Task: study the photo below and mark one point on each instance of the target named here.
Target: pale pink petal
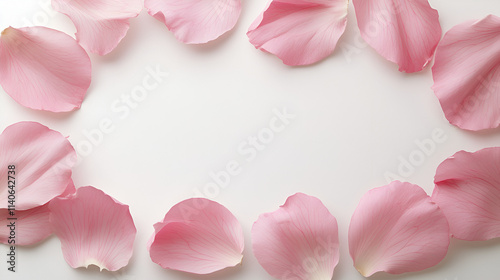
(467, 74)
(43, 68)
(468, 191)
(300, 32)
(94, 229)
(397, 229)
(298, 241)
(43, 159)
(100, 24)
(405, 32)
(30, 226)
(197, 236)
(196, 21)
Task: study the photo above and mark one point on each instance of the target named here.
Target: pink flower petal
(467, 74)
(43, 69)
(405, 32)
(69, 191)
(31, 226)
(298, 241)
(197, 236)
(43, 159)
(300, 32)
(100, 24)
(196, 21)
(94, 229)
(397, 229)
(468, 191)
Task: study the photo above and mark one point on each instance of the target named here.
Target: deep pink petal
(196, 21)
(467, 74)
(31, 226)
(43, 69)
(397, 229)
(43, 159)
(300, 32)
(100, 24)
(197, 236)
(405, 32)
(298, 241)
(94, 229)
(468, 191)
(69, 191)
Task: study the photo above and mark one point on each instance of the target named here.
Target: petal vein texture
(405, 32)
(298, 241)
(43, 159)
(196, 21)
(467, 74)
(100, 24)
(94, 229)
(197, 236)
(300, 32)
(468, 191)
(43, 69)
(397, 229)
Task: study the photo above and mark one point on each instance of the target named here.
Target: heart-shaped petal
(298, 241)
(397, 229)
(94, 229)
(468, 191)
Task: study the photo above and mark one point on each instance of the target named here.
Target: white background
(355, 117)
